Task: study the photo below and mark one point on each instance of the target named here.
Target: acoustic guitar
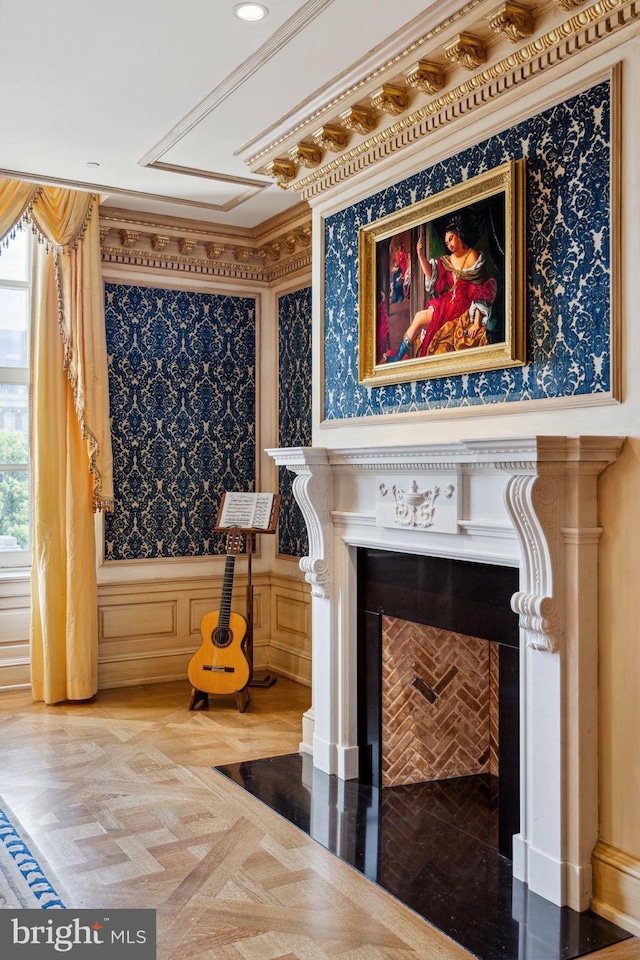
(220, 664)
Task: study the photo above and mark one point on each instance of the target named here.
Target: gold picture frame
(469, 314)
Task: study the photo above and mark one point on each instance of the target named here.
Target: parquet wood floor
(120, 796)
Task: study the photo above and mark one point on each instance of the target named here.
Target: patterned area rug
(25, 882)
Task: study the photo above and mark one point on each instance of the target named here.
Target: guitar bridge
(219, 669)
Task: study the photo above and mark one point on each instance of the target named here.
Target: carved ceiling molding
(390, 99)
(427, 77)
(307, 155)
(582, 30)
(513, 21)
(361, 120)
(469, 51)
(265, 256)
(354, 84)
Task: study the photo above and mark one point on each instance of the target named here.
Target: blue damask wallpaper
(183, 406)
(294, 409)
(568, 268)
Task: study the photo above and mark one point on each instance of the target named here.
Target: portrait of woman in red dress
(461, 290)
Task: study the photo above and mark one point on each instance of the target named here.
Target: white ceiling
(182, 83)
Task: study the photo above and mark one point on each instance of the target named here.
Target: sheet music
(247, 510)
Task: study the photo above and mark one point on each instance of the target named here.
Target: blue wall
(568, 268)
(294, 409)
(183, 407)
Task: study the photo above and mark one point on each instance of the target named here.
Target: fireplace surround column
(526, 502)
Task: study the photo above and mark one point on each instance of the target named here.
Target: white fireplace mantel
(528, 502)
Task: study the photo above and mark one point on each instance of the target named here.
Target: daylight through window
(15, 314)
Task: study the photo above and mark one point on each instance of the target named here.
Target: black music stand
(236, 509)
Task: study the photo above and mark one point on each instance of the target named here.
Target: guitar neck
(227, 588)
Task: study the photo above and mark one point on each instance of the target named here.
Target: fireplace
(526, 505)
(438, 680)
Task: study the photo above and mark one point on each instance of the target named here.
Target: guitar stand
(202, 697)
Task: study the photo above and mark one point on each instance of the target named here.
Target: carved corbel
(390, 99)
(288, 242)
(470, 52)
(303, 236)
(159, 243)
(282, 171)
(103, 234)
(242, 254)
(426, 76)
(186, 246)
(313, 490)
(306, 154)
(531, 502)
(568, 4)
(512, 21)
(214, 250)
(331, 138)
(359, 119)
(128, 238)
(270, 251)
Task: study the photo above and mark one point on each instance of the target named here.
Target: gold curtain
(71, 444)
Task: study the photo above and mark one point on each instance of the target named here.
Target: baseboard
(616, 886)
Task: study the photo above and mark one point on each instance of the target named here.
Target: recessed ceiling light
(250, 11)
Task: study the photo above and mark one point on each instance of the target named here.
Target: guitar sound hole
(223, 637)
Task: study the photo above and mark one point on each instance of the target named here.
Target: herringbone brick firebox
(440, 703)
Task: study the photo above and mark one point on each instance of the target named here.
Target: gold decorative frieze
(390, 99)
(303, 235)
(426, 76)
(276, 249)
(359, 119)
(331, 138)
(270, 251)
(539, 55)
(470, 52)
(513, 21)
(282, 171)
(159, 242)
(306, 154)
(186, 246)
(128, 238)
(288, 242)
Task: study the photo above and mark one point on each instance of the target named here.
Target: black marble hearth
(434, 847)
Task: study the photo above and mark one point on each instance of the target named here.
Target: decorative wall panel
(294, 409)
(568, 295)
(183, 407)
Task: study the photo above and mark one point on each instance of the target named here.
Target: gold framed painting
(442, 282)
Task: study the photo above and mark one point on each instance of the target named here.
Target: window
(15, 316)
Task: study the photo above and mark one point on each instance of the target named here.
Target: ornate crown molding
(274, 250)
(513, 21)
(427, 77)
(469, 51)
(306, 154)
(359, 119)
(282, 171)
(129, 238)
(332, 138)
(390, 99)
(540, 54)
